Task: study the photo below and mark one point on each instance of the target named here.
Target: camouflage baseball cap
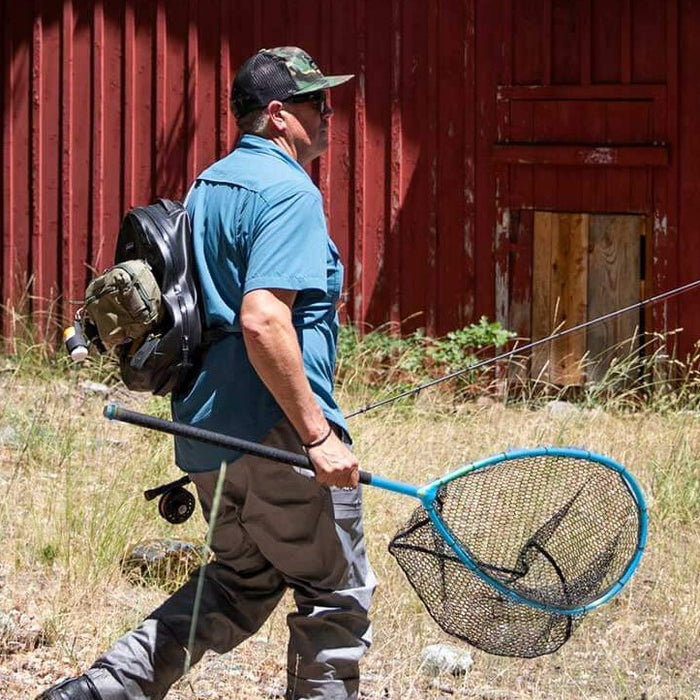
(277, 74)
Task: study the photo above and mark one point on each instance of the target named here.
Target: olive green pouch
(124, 303)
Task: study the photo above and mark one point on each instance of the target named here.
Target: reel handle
(150, 494)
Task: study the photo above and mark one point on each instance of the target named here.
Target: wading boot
(80, 688)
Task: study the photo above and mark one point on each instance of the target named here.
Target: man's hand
(334, 463)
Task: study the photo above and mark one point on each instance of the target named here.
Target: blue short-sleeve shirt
(257, 223)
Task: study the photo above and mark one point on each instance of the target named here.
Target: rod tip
(110, 411)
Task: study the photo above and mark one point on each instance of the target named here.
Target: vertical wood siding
(465, 117)
(108, 105)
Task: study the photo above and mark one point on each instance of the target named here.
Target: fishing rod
(176, 504)
(554, 336)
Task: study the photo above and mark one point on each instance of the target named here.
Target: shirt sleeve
(288, 249)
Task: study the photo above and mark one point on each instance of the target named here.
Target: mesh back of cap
(260, 80)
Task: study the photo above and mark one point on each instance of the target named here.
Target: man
(269, 274)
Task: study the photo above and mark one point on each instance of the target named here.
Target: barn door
(584, 266)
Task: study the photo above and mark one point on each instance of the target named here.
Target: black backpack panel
(160, 234)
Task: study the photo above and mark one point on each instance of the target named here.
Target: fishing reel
(176, 503)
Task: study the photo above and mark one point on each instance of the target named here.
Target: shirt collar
(250, 142)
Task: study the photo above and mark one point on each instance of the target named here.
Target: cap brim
(328, 81)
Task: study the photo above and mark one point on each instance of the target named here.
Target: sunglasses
(318, 98)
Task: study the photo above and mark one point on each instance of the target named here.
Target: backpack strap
(189, 192)
(217, 333)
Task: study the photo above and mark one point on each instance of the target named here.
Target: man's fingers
(335, 465)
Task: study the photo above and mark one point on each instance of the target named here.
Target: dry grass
(71, 504)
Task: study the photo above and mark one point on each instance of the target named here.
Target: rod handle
(114, 411)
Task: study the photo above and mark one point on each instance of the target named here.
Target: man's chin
(321, 147)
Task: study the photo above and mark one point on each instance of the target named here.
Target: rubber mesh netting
(558, 531)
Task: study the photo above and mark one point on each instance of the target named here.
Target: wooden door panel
(613, 283)
(560, 270)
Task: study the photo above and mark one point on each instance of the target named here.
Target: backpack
(146, 307)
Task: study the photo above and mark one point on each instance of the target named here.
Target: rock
(166, 562)
(9, 436)
(561, 409)
(446, 658)
(95, 388)
(19, 632)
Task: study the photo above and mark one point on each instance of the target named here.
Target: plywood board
(560, 299)
(613, 283)
(570, 265)
(541, 289)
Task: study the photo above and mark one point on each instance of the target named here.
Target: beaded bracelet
(320, 441)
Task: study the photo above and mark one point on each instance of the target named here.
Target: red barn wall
(465, 116)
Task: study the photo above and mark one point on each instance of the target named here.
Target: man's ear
(275, 111)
